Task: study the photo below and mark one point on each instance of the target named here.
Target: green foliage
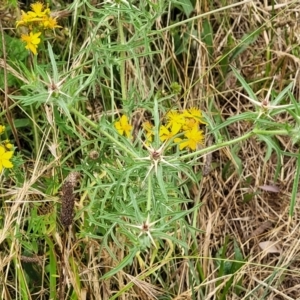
(185, 5)
(230, 267)
(14, 50)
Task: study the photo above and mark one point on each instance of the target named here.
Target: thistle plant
(139, 216)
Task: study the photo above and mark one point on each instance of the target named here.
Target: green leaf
(295, 188)
(207, 36)
(185, 5)
(125, 262)
(244, 84)
(247, 40)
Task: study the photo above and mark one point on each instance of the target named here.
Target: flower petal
(8, 155)
(7, 164)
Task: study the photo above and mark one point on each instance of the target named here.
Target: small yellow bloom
(50, 23)
(37, 10)
(166, 134)
(175, 121)
(5, 157)
(2, 128)
(32, 40)
(190, 124)
(123, 126)
(194, 113)
(25, 18)
(194, 137)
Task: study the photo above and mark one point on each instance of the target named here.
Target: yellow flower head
(5, 157)
(37, 15)
(175, 120)
(194, 113)
(25, 18)
(37, 10)
(190, 124)
(51, 23)
(194, 137)
(32, 41)
(165, 133)
(123, 126)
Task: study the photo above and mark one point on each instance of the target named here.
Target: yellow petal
(7, 164)
(2, 150)
(8, 155)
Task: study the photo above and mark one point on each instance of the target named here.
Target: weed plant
(150, 150)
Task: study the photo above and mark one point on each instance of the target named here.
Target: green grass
(151, 220)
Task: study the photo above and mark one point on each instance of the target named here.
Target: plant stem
(213, 147)
(122, 62)
(36, 138)
(271, 132)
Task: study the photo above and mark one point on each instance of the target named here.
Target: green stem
(295, 189)
(149, 196)
(36, 137)
(271, 132)
(213, 148)
(122, 61)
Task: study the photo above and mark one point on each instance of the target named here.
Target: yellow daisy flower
(123, 126)
(38, 10)
(32, 40)
(50, 23)
(25, 18)
(194, 113)
(166, 134)
(194, 137)
(175, 121)
(190, 124)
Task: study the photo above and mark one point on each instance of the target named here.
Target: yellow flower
(5, 156)
(194, 113)
(37, 10)
(32, 41)
(2, 128)
(123, 126)
(194, 137)
(175, 121)
(166, 134)
(36, 15)
(190, 124)
(25, 18)
(50, 23)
